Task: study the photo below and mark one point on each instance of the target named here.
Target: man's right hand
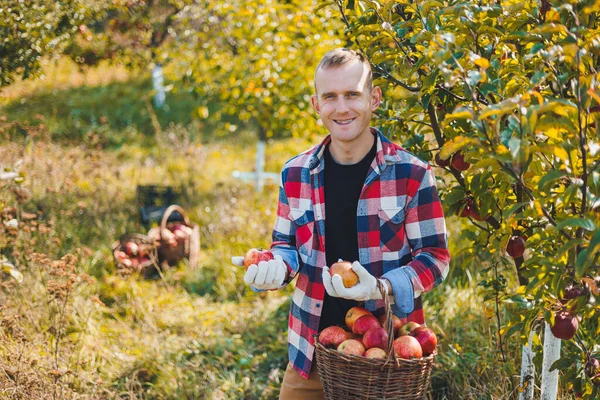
(267, 275)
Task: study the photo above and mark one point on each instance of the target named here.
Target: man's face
(344, 101)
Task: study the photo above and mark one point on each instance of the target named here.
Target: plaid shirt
(401, 237)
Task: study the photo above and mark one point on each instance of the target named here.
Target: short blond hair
(341, 56)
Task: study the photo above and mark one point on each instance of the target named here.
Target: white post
(260, 164)
(158, 86)
(527, 370)
(551, 354)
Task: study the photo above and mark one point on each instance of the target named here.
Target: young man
(357, 197)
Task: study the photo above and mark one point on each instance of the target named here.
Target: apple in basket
(407, 347)
(169, 237)
(352, 347)
(333, 336)
(407, 328)
(396, 323)
(364, 323)
(182, 232)
(375, 337)
(375, 352)
(426, 338)
(131, 248)
(355, 313)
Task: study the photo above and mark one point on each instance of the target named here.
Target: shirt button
(318, 305)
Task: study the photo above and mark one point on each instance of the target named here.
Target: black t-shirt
(343, 185)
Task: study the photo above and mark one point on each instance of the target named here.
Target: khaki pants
(294, 387)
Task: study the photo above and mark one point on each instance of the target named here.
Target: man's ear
(375, 97)
(315, 103)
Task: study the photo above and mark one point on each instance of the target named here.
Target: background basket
(145, 268)
(354, 377)
(189, 248)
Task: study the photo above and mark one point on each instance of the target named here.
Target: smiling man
(358, 197)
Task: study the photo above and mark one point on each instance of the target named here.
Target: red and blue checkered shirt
(401, 237)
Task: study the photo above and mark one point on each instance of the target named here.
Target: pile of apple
(366, 336)
(131, 254)
(175, 234)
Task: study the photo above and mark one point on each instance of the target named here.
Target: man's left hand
(365, 289)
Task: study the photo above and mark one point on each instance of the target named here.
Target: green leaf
(561, 364)
(580, 264)
(551, 176)
(584, 223)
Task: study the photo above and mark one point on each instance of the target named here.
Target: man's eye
(329, 97)
(352, 95)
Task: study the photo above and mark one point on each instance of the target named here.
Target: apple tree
(504, 96)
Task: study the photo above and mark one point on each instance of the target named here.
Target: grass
(75, 328)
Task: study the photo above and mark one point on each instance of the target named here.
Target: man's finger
(250, 274)
(327, 282)
(238, 261)
(338, 286)
(280, 274)
(270, 278)
(361, 271)
(261, 275)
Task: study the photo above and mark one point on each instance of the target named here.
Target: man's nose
(342, 105)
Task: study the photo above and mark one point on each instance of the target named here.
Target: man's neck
(348, 153)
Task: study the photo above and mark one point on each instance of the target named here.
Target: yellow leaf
(560, 153)
(482, 62)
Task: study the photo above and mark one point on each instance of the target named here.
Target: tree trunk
(158, 86)
(527, 370)
(551, 354)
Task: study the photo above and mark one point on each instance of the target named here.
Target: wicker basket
(148, 264)
(189, 248)
(354, 377)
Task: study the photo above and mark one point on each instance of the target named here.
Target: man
(357, 197)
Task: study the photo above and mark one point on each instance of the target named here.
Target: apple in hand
(375, 352)
(333, 336)
(375, 337)
(364, 323)
(344, 269)
(426, 338)
(407, 347)
(355, 313)
(254, 256)
(351, 347)
(407, 328)
(565, 325)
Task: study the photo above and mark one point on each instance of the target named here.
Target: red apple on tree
(459, 163)
(407, 347)
(364, 323)
(426, 338)
(440, 162)
(344, 269)
(375, 337)
(254, 256)
(407, 328)
(565, 325)
(355, 313)
(351, 347)
(592, 367)
(516, 246)
(332, 336)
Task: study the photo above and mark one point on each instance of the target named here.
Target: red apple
(254, 256)
(407, 328)
(565, 325)
(592, 367)
(355, 313)
(375, 352)
(131, 248)
(344, 270)
(375, 337)
(516, 246)
(407, 347)
(121, 255)
(332, 336)
(396, 323)
(440, 162)
(364, 323)
(351, 347)
(426, 338)
(459, 163)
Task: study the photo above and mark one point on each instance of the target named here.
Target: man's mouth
(344, 121)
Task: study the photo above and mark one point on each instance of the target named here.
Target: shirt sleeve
(284, 234)
(425, 229)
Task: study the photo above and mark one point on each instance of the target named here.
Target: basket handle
(167, 214)
(389, 325)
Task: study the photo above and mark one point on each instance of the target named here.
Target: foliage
(31, 30)
(257, 59)
(513, 87)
